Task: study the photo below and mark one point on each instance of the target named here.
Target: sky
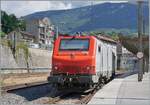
(22, 8)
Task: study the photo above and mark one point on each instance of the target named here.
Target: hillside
(106, 16)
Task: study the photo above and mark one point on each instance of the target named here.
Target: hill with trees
(118, 17)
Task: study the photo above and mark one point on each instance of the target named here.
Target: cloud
(22, 8)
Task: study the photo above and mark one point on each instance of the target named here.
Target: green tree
(2, 34)
(132, 44)
(10, 22)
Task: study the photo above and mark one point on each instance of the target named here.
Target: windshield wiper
(70, 39)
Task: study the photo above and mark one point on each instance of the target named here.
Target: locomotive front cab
(73, 60)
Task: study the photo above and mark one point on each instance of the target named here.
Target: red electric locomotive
(75, 62)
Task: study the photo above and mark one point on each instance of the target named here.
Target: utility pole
(140, 26)
(56, 32)
(144, 59)
(91, 12)
(1, 79)
(14, 44)
(62, 25)
(148, 69)
(56, 35)
(144, 26)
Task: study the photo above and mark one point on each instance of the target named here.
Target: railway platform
(124, 90)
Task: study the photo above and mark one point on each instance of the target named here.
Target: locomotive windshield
(74, 44)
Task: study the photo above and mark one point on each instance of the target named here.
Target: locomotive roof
(107, 39)
(100, 37)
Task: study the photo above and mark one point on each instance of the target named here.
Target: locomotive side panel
(98, 59)
(112, 59)
(114, 51)
(105, 56)
(105, 59)
(110, 62)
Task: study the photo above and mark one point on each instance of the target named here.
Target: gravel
(11, 99)
(17, 99)
(39, 95)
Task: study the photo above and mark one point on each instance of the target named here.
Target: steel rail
(22, 86)
(25, 68)
(58, 98)
(87, 98)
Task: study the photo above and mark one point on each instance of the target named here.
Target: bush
(2, 34)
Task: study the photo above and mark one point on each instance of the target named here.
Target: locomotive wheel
(100, 82)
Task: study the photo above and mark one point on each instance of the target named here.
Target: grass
(19, 45)
(24, 47)
(5, 42)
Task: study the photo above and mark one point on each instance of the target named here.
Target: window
(99, 49)
(74, 44)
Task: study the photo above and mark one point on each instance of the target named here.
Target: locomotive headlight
(55, 67)
(88, 68)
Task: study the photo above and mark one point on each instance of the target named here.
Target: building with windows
(128, 60)
(42, 29)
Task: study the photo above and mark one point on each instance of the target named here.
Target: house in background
(126, 59)
(129, 61)
(21, 36)
(42, 30)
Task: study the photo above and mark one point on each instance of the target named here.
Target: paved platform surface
(124, 90)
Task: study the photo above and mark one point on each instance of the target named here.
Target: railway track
(83, 97)
(22, 86)
(37, 90)
(57, 98)
(86, 98)
(79, 97)
(67, 96)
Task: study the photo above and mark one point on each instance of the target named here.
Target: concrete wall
(6, 58)
(38, 59)
(128, 62)
(20, 60)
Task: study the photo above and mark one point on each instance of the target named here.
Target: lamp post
(140, 22)
(149, 44)
(1, 79)
(56, 35)
(62, 24)
(56, 32)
